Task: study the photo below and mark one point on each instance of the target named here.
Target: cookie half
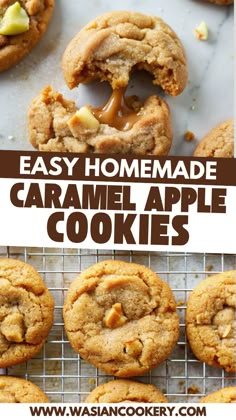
(56, 124)
(121, 317)
(210, 320)
(112, 45)
(224, 395)
(26, 312)
(17, 390)
(123, 390)
(219, 142)
(14, 47)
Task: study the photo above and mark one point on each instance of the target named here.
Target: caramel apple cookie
(26, 312)
(17, 390)
(22, 25)
(123, 390)
(219, 142)
(123, 125)
(210, 320)
(224, 395)
(121, 317)
(112, 45)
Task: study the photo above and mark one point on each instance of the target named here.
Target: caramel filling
(116, 112)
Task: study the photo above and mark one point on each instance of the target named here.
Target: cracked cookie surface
(50, 129)
(17, 390)
(123, 390)
(14, 47)
(121, 317)
(26, 312)
(224, 395)
(112, 45)
(219, 142)
(210, 320)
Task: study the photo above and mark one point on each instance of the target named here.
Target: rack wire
(67, 378)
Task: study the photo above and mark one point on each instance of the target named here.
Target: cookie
(221, 2)
(123, 390)
(121, 317)
(26, 312)
(17, 390)
(112, 45)
(210, 320)
(219, 142)
(224, 395)
(56, 124)
(14, 47)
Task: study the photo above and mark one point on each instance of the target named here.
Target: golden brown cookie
(210, 320)
(130, 127)
(26, 312)
(114, 44)
(123, 390)
(121, 317)
(221, 2)
(219, 142)
(17, 390)
(224, 395)
(14, 47)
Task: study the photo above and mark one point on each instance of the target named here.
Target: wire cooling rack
(60, 372)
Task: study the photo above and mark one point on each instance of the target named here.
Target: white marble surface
(207, 100)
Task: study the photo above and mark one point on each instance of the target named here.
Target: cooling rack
(66, 378)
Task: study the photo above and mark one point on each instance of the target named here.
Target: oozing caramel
(116, 112)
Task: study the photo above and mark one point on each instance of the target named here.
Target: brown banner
(117, 168)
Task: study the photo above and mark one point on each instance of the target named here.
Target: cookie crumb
(209, 267)
(193, 390)
(180, 303)
(91, 381)
(202, 32)
(189, 136)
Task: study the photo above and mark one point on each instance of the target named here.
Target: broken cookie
(123, 125)
(112, 45)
